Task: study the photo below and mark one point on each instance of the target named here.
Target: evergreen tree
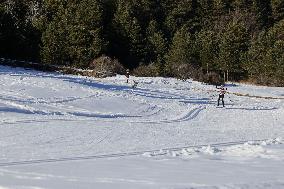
(242, 4)
(263, 12)
(129, 40)
(157, 45)
(206, 13)
(182, 52)
(85, 41)
(207, 45)
(4, 28)
(54, 38)
(265, 58)
(232, 44)
(182, 13)
(226, 35)
(278, 10)
(221, 7)
(19, 36)
(74, 34)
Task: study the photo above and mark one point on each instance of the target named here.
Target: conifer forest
(200, 39)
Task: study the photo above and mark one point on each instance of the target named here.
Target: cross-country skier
(135, 83)
(221, 94)
(127, 75)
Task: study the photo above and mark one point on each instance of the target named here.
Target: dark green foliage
(263, 12)
(157, 46)
(237, 39)
(242, 4)
(233, 42)
(208, 50)
(205, 11)
(265, 58)
(278, 10)
(180, 13)
(18, 37)
(181, 49)
(182, 54)
(129, 39)
(221, 8)
(73, 36)
(137, 37)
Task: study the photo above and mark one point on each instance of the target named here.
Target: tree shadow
(148, 93)
(253, 108)
(231, 85)
(199, 101)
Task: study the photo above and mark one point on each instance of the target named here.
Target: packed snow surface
(64, 131)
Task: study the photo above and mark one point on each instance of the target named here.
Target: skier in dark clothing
(127, 75)
(221, 94)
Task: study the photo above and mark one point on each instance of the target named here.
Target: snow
(64, 131)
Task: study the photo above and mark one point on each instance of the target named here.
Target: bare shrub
(212, 78)
(184, 71)
(146, 71)
(105, 66)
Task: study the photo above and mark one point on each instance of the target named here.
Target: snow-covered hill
(63, 131)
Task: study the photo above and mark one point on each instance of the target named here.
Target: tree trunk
(207, 71)
(227, 75)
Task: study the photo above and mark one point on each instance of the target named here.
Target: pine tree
(263, 12)
(182, 54)
(206, 13)
(265, 58)
(74, 34)
(53, 25)
(221, 7)
(54, 38)
(242, 4)
(207, 46)
(157, 45)
(232, 44)
(183, 13)
(19, 37)
(278, 10)
(129, 41)
(85, 41)
(3, 29)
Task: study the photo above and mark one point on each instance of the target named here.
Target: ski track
(187, 117)
(156, 152)
(172, 104)
(21, 106)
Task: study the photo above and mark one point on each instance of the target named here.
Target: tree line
(233, 39)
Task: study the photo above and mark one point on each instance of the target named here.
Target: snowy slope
(63, 131)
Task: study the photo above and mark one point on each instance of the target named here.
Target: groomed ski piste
(63, 131)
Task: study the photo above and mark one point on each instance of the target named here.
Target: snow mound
(248, 150)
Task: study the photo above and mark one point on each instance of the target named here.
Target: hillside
(64, 131)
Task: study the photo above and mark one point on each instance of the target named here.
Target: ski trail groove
(123, 154)
(189, 116)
